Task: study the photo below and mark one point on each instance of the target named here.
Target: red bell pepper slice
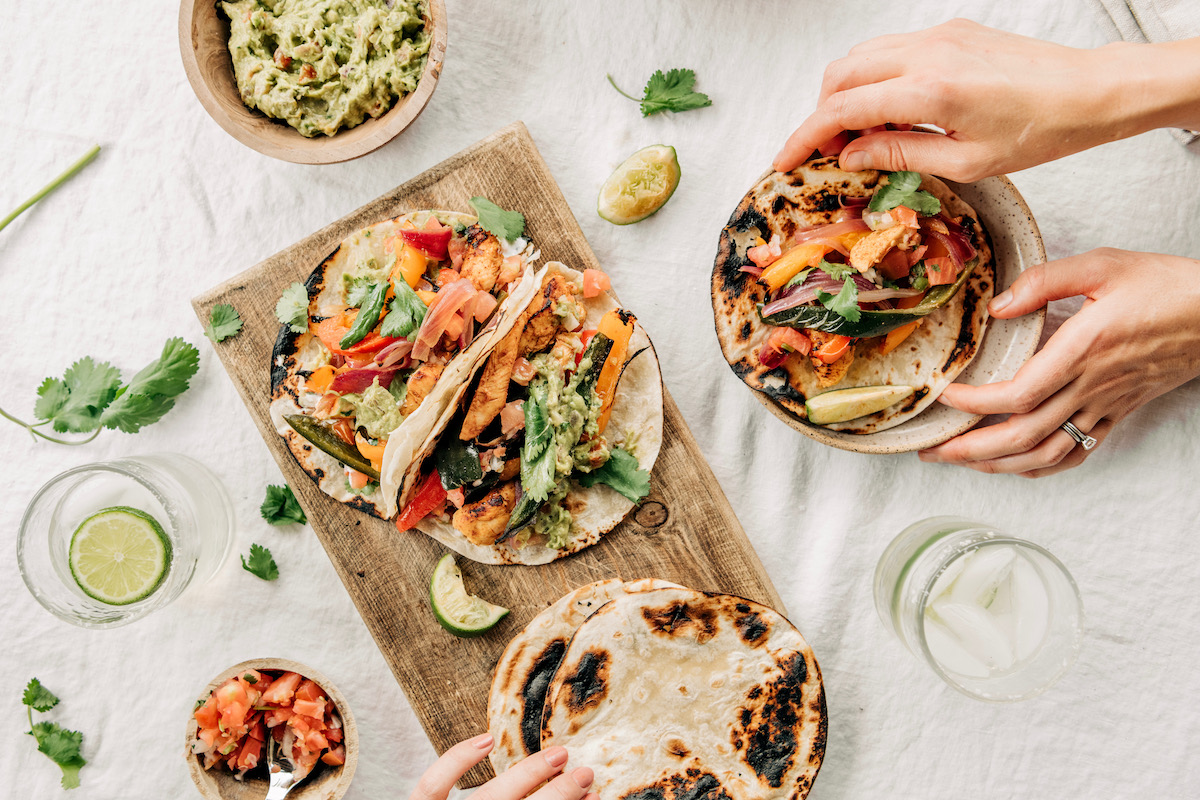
(429, 495)
(433, 240)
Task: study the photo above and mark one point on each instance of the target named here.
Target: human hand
(1136, 337)
(1006, 102)
(514, 784)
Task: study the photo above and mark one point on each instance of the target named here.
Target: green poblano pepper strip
(368, 316)
(321, 435)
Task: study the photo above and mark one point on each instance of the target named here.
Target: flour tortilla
(928, 360)
(296, 355)
(525, 668)
(637, 415)
(675, 693)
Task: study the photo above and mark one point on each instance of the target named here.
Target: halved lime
(842, 405)
(119, 555)
(640, 186)
(458, 612)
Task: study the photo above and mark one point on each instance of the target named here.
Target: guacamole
(324, 65)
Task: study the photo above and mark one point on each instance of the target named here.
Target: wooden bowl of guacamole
(309, 88)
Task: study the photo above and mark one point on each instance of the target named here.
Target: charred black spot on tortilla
(770, 745)
(964, 345)
(677, 748)
(785, 391)
(747, 328)
(587, 686)
(780, 204)
(692, 785)
(754, 693)
(281, 356)
(681, 619)
(533, 693)
(751, 626)
(823, 201)
(746, 217)
(911, 402)
(318, 473)
(728, 277)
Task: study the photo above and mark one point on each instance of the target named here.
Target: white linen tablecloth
(174, 205)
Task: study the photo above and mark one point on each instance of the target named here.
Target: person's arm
(1006, 102)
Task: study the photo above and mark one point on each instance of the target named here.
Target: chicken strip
(420, 384)
(543, 324)
(870, 249)
(492, 391)
(829, 374)
(484, 521)
(482, 260)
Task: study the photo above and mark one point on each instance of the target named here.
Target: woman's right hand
(514, 783)
(1006, 102)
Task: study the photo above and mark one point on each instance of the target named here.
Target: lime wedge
(458, 612)
(119, 555)
(842, 405)
(640, 186)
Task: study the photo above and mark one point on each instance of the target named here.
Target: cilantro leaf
(904, 189)
(838, 272)
(799, 278)
(507, 225)
(38, 697)
(280, 507)
(63, 747)
(538, 452)
(152, 392)
(223, 322)
(406, 313)
(261, 563)
(845, 303)
(292, 308)
(670, 91)
(359, 289)
(75, 402)
(622, 472)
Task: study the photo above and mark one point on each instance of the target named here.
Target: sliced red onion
(450, 299)
(853, 202)
(863, 283)
(394, 354)
(753, 270)
(828, 231)
(875, 295)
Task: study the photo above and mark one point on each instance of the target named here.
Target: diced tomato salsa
(233, 722)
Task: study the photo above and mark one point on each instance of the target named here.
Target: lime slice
(842, 405)
(119, 555)
(640, 186)
(458, 612)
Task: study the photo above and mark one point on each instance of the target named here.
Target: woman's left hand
(1136, 337)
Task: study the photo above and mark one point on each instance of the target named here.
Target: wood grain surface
(204, 48)
(685, 531)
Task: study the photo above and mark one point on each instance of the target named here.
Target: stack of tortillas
(665, 692)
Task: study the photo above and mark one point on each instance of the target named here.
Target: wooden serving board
(685, 531)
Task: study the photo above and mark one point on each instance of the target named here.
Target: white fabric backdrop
(173, 205)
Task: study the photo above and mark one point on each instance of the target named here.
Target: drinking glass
(996, 617)
(181, 494)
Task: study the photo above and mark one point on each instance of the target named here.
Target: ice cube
(948, 652)
(977, 632)
(1031, 608)
(946, 580)
(985, 570)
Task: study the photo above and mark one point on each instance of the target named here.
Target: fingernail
(556, 756)
(483, 742)
(929, 457)
(775, 161)
(583, 777)
(856, 161)
(1000, 301)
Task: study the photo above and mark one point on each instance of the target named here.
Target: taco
(826, 279)
(549, 443)
(397, 310)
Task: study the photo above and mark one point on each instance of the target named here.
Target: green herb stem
(33, 430)
(618, 88)
(50, 187)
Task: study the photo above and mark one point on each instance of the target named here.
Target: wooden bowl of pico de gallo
(295, 704)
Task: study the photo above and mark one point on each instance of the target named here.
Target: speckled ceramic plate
(1007, 343)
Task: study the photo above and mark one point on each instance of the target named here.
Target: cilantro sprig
(223, 322)
(670, 91)
(406, 313)
(507, 225)
(844, 303)
(62, 746)
(904, 189)
(50, 187)
(261, 563)
(281, 507)
(90, 397)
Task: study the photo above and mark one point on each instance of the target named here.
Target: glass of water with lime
(104, 544)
